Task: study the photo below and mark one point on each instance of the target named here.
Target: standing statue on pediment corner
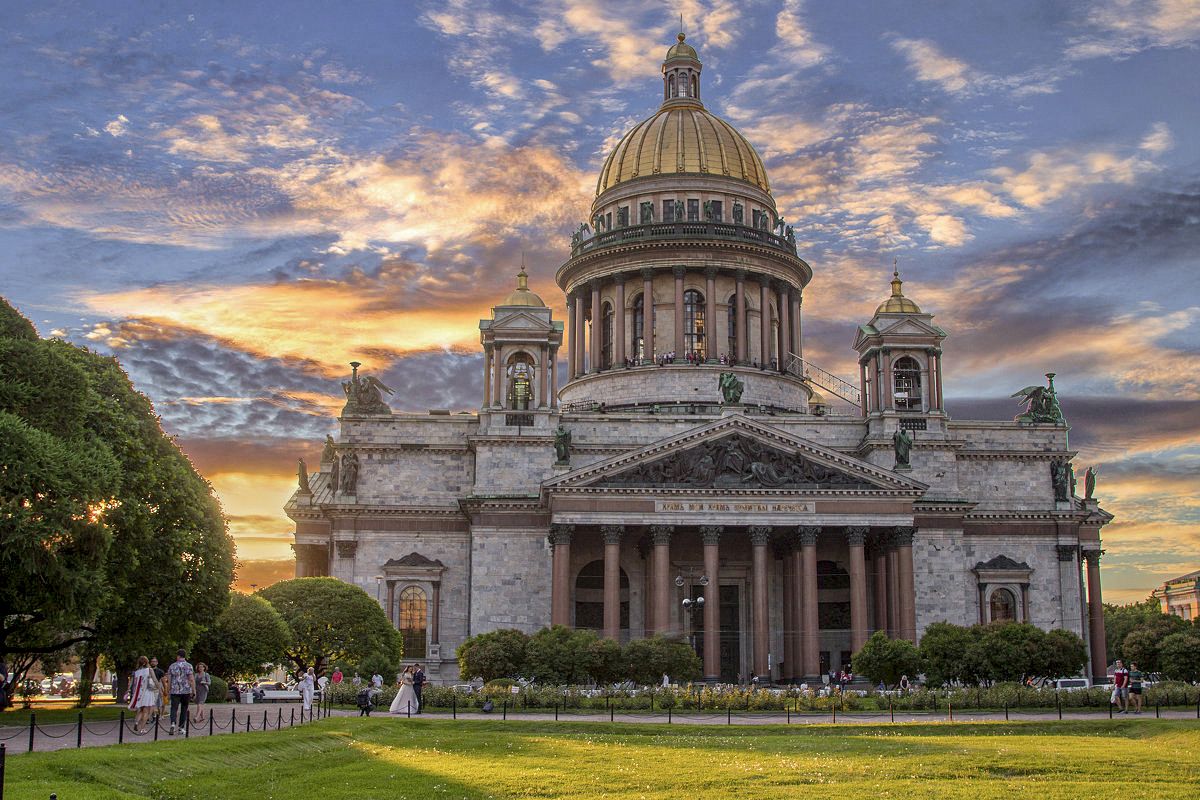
(349, 473)
(902, 442)
(562, 445)
(329, 453)
(302, 475)
(1060, 479)
(1089, 484)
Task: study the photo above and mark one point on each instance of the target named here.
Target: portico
(769, 529)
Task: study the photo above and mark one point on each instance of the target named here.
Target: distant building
(688, 456)
(1181, 596)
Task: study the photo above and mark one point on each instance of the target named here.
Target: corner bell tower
(520, 349)
(900, 367)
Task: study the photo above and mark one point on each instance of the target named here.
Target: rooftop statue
(902, 442)
(731, 387)
(1042, 403)
(302, 474)
(562, 445)
(349, 474)
(1089, 483)
(329, 453)
(364, 395)
(1060, 478)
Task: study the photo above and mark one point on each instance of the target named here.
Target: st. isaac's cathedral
(693, 453)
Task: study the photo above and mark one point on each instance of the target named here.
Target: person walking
(307, 685)
(1120, 693)
(406, 698)
(163, 690)
(182, 679)
(418, 684)
(1135, 687)
(203, 682)
(143, 694)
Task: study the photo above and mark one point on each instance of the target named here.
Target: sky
(237, 199)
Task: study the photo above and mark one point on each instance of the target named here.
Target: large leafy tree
(944, 649)
(134, 555)
(885, 660)
(1179, 654)
(331, 620)
(491, 655)
(1120, 621)
(247, 635)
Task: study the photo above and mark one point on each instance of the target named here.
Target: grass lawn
(346, 758)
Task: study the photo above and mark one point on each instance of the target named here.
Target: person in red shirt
(337, 676)
(1121, 683)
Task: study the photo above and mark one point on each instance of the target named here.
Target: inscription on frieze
(733, 507)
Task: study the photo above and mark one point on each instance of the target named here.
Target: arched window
(733, 331)
(638, 349)
(695, 86)
(606, 336)
(413, 612)
(671, 85)
(520, 382)
(1003, 606)
(693, 323)
(589, 597)
(906, 374)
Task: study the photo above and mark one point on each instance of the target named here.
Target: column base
(712, 678)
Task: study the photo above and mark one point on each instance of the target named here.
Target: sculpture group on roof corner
(669, 437)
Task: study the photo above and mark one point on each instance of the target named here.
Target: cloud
(117, 127)
(1121, 28)
(957, 77)
(797, 46)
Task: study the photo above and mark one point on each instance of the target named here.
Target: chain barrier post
(233, 720)
(1156, 716)
(556, 711)
(156, 727)
(454, 706)
(950, 709)
(247, 722)
(729, 713)
(121, 729)
(279, 719)
(293, 722)
(833, 706)
(264, 719)
(668, 715)
(504, 711)
(3, 752)
(32, 725)
(611, 712)
(788, 708)
(891, 708)
(1058, 701)
(79, 732)
(1006, 711)
(210, 723)
(1110, 705)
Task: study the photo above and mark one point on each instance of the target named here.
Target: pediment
(521, 320)
(736, 453)
(1003, 563)
(905, 326)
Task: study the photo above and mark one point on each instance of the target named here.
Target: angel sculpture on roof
(1041, 403)
(364, 395)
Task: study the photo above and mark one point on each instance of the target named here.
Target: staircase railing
(806, 370)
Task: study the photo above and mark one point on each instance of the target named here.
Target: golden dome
(682, 139)
(521, 296)
(681, 50)
(897, 303)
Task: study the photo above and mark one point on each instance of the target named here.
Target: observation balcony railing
(658, 231)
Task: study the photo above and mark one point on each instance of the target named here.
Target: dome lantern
(522, 296)
(897, 303)
(681, 74)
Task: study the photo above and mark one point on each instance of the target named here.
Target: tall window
(413, 612)
(693, 210)
(732, 326)
(606, 337)
(638, 350)
(668, 210)
(693, 323)
(520, 382)
(906, 373)
(1004, 606)
(671, 84)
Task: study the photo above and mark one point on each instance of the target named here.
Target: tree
(496, 654)
(245, 637)
(1180, 656)
(885, 660)
(1141, 645)
(560, 655)
(1064, 653)
(943, 653)
(332, 620)
(1119, 621)
(127, 541)
(647, 660)
(605, 655)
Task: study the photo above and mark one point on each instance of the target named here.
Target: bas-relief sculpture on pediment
(734, 462)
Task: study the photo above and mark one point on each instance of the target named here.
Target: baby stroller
(366, 702)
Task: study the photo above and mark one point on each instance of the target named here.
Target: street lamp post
(692, 607)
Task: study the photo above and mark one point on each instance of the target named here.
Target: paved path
(66, 735)
(62, 736)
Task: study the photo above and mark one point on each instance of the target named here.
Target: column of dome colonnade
(799, 592)
(685, 261)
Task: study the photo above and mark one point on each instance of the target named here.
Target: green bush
(218, 690)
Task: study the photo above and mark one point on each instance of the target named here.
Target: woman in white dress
(307, 684)
(143, 694)
(406, 698)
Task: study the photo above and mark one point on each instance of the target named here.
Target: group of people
(1127, 687)
(151, 689)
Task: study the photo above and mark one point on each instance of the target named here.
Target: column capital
(902, 535)
(711, 272)
(740, 275)
(711, 534)
(1092, 556)
(808, 535)
(560, 534)
(1067, 552)
(647, 273)
(612, 533)
(661, 534)
(595, 283)
(678, 270)
(760, 535)
(857, 536)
